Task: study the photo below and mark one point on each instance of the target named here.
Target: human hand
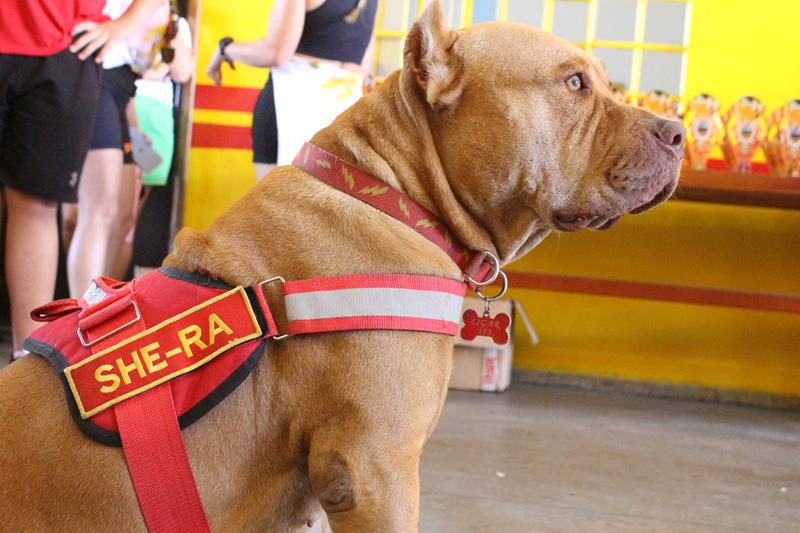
(214, 69)
(97, 37)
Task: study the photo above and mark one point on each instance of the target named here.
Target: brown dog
(507, 133)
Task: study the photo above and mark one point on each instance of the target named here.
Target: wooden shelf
(721, 187)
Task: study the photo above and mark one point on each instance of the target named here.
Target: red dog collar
(478, 267)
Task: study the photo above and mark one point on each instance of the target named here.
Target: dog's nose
(669, 132)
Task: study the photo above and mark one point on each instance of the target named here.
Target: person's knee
(103, 216)
(126, 220)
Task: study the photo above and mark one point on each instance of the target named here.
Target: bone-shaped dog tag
(486, 326)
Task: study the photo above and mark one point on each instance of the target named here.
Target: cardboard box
(483, 369)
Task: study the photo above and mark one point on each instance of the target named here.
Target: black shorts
(265, 126)
(47, 110)
(111, 124)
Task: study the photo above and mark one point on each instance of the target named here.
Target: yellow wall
(740, 47)
(216, 178)
(244, 20)
(737, 47)
(682, 243)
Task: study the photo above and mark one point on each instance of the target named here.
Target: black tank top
(328, 35)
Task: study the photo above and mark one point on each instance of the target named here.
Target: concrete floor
(544, 459)
(550, 459)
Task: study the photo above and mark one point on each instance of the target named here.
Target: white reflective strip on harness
(393, 302)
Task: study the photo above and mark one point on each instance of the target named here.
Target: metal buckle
(110, 333)
(481, 284)
(496, 263)
(260, 286)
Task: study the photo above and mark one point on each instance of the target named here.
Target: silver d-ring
(496, 264)
(503, 289)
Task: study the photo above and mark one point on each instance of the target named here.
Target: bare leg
(31, 258)
(125, 255)
(262, 169)
(120, 247)
(69, 218)
(98, 197)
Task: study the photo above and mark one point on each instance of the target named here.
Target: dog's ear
(429, 56)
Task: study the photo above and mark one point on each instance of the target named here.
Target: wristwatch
(223, 44)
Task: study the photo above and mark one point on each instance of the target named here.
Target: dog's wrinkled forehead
(520, 52)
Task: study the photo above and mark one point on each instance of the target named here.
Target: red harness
(144, 359)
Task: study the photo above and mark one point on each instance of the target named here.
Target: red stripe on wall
(784, 303)
(217, 136)
(225, 98)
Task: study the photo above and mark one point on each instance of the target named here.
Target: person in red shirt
(50, 67)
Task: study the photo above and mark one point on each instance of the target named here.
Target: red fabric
(272, 328)
(108, 310)
(379, 281)
(354, 323)
(55, 310)
(43, 27)
(158, 464)
(357, 183)
(151, 438)
(159, 297)
(164, 352)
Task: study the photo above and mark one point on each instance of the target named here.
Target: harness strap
(157, 461)
(151, 441)
(353, 181)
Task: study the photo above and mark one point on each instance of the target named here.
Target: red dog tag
(485, 325)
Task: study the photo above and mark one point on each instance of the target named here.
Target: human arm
(101, 37)
(274, 50)
(369, 54)
(157, 73)
(182, 66)
(130, 114)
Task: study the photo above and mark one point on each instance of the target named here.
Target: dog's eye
(575, 83)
